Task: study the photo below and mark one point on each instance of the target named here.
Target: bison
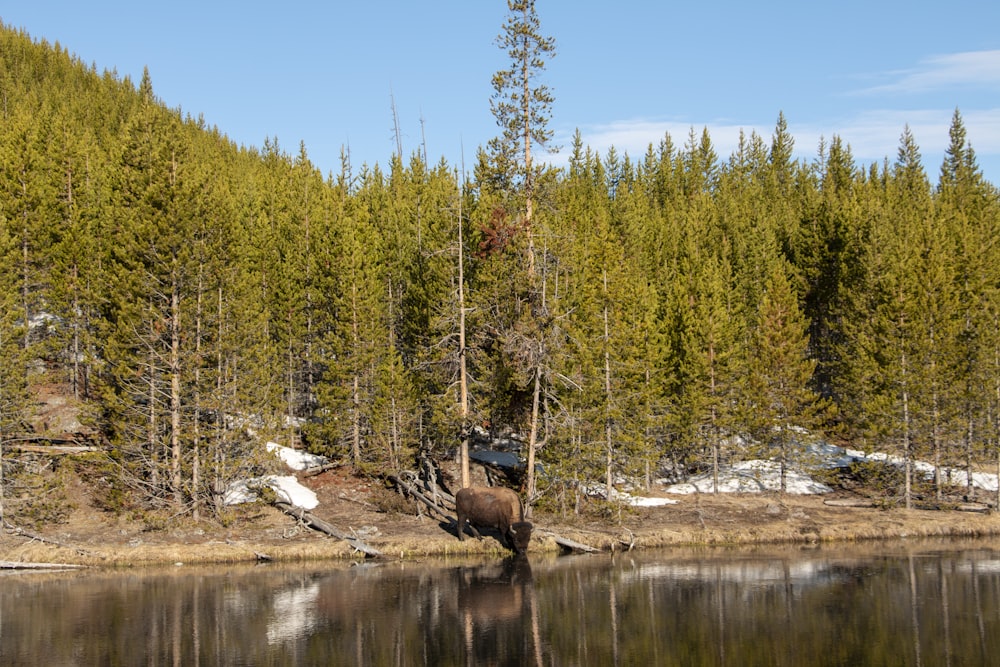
(493, 507)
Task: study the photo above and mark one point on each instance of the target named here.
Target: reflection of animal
(492, 593)
(493, 507)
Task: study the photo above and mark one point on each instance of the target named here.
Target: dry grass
(361, 507)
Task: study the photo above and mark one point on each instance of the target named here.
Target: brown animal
(493, 507)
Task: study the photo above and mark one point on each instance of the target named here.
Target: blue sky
(326, 73)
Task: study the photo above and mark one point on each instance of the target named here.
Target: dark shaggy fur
(494, 507)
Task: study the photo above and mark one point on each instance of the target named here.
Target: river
(897, 603)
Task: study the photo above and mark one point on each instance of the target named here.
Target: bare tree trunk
(356, 421)
(175, 394)
(196, 453)
(905, 397)
(1, 477)
(76, 333)
(152, 425)
(907, 453)
(356, 386)
(26, 270)
(714, 418)
(608, 432)
(462, 370)
(220, 417)
(532, 440)
(395, 447)
(996, 415)
(936, 437)
(968, 455)
(290, 400)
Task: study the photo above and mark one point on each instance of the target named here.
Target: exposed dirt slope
(383, 520)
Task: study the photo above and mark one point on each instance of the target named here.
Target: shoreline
(705, 522)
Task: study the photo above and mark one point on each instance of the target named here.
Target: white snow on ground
(286, 486)
(751, 477)
(296, 459)
(644, 501)
(757, 476)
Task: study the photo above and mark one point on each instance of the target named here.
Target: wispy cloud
(871, 134)
(871, 123)
(980, 69)
(875, 134)
(634, 136)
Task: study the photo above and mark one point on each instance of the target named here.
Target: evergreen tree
(522, 108)
(888, 341)
(14, 396)
(966, 211)
(778, 399)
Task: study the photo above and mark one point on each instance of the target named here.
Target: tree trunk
(175, 395)
(196, 450)
(462, 371)
(356, 384)
(608, 429)
(532, 441)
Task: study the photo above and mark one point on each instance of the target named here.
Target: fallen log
(570, 545)
(53, 450)
(849, 502)
(17, 565)
(320, 469)
(417, 494)
(974, 507)
(20, 532)
(324, 527)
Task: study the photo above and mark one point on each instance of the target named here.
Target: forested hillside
(653, 314)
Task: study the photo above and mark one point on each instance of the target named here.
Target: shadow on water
(879, 603)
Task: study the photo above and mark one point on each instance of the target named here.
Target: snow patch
(286, 487)
(296, 459)
(753, 476)
(645, 501)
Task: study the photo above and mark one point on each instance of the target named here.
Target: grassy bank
(263, 533)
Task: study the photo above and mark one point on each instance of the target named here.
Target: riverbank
(380, 519)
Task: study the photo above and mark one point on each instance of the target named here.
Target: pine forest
(621, 318)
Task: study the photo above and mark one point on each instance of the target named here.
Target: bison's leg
(463, 521)
(506, 539)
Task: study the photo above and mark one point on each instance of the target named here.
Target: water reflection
(926, 604)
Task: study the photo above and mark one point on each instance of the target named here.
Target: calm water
(888, 604)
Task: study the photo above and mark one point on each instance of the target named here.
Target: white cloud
(980, 69)
(633, 136)
(872, 134)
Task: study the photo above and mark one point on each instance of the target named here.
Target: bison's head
(520, 535)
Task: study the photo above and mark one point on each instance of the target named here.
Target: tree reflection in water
(883, 604)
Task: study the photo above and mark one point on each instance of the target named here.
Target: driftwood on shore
(849, 502)
(34, 537)
(973, 507)
(865, 502)
(410, 488)
(571, 545)
(312, 471)
(17, 565)
(52, 450)
(322, 526)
